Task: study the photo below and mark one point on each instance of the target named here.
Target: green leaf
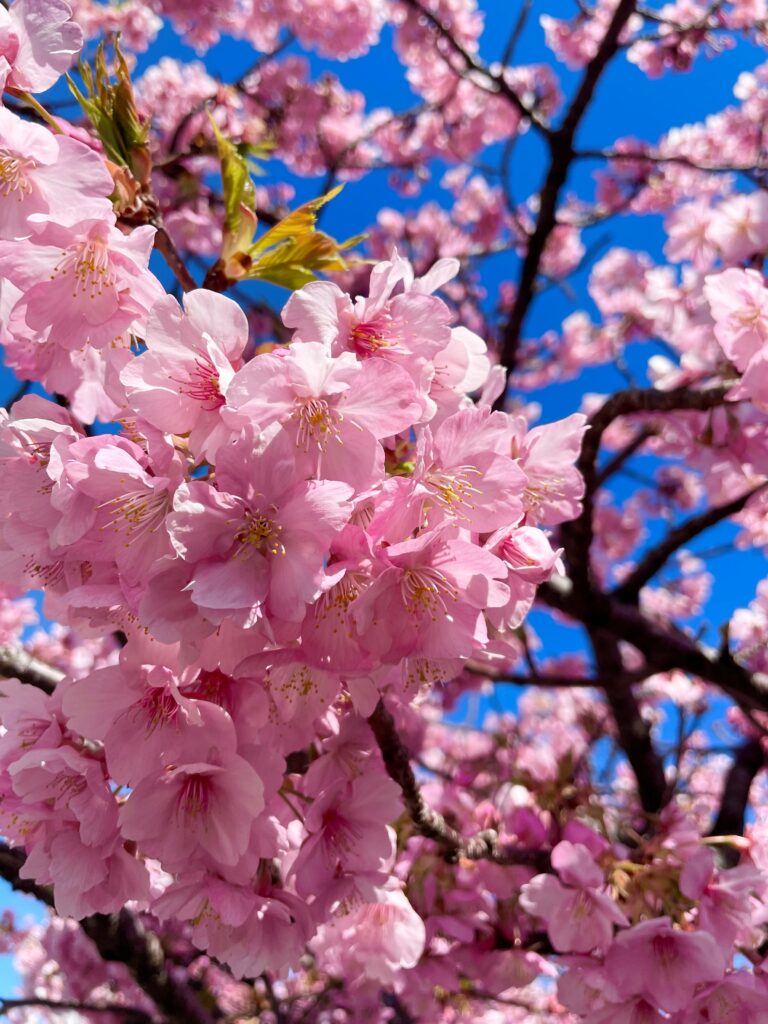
(239, 193)
(294, 262)
(110, 106)
(298, 223)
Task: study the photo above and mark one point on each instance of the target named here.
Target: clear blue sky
(626, 103)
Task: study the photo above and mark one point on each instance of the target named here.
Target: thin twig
(517, 31)
(164, 245)
(656, 558)
(430, 823)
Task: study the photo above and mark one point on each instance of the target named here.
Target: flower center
(369, 338)
(67, 785)
(665, 949)
(259, 532)
(194, 797)
(318, 423)
(48, 575)
(138, 513)
(12, 175)
(340, 835)
(513, 556)
(87, 263)
(336, 602)
(425, 591)
(453, 491)
(202, 384)
(213, 686)
(157, 706)
(39, 453)
(540, 491)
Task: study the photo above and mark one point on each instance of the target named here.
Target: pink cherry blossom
(579, 915)
(738, 301)
(379, 937)
(347, 832)
(39, 40)
(85, 283)
(663, 964)
(258, 539)
(44, 176)
(334, 409)
(195, 809)
(179, 384)
(428, 598)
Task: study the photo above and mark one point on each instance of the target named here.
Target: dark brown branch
(655, 559)
(263, 59)
(577, 535)
(633, 730)
(516, 33)
(16, 663)
(621, 458)
(130, 1013)
(239, 83)
(617, 155)
(400, 1014)
(748, 760)
(638, 400)
(165, 246)
(497, 82)
(429, 823)
(558, 682)
(561, 157)
(11, 862)
(663, 646)
(274, 1002)
(122, 937)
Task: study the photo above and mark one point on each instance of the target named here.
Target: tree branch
(15, 663)
(621, 458)
(577, 535)
(633, 730)
(617, 156)
(497, 81)
(655, 559)
(130, 1013)
(429, 823)
(561, 157)
(748, 760)
(165, 246)
(11, 863)
(122, 937)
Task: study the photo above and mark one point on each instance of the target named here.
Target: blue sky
(626, 103)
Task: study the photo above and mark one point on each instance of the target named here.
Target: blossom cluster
(281, 537)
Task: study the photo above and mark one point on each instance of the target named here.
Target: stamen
(368, 339)
(260, 533)
(158, 706)
(202, 384)
(12, 175)
(453, 491)
(48, 575)
(425, 591)
(317, 423)
(137, 513)
(194, 797)
(337, 600)
(88, 265)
